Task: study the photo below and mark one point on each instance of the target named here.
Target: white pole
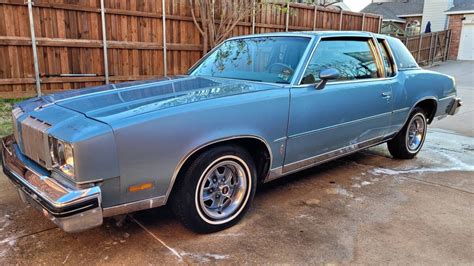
(165, 67)
(253, 17)
(287, 15)
(315, 16)
(33, 46)
(104, 42)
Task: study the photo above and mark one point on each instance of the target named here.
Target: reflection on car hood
(116, 101)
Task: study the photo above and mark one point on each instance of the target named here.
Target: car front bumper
(70, 208)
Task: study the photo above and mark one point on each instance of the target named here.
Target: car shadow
(327, 175)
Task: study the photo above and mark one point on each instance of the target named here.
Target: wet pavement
(463, 121)
(366, 208)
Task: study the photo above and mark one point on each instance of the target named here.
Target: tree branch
(201, 31)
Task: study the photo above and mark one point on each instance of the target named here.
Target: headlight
(62, 156)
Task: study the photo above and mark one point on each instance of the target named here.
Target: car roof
(311, 34)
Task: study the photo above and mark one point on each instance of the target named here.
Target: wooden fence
(81, 43)
(428, 48)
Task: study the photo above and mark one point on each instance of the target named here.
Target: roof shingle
(462, 5)
(393, 9)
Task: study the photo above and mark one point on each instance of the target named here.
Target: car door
(350, 112)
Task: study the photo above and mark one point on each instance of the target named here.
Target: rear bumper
(70, 208)
(454, 107)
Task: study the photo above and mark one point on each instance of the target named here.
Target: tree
(323, 3)
(217, 19)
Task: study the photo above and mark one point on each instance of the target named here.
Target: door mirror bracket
(326, 75)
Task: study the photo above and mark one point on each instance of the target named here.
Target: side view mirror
(325, 75)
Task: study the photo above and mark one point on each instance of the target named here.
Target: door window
(354, 58)
(387, 59)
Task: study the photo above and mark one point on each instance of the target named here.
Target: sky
(357, 5)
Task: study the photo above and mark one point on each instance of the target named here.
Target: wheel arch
(430, 105)
(262, 158)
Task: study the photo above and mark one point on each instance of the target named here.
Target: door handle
(386, 94)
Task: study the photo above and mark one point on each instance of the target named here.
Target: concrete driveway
(463, 122)
(366, 208)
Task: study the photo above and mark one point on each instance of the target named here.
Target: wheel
(216, 189)
(408, 142)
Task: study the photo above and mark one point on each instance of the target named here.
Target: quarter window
(403, 57)
(353, 58)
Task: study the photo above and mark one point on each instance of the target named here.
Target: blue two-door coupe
(254, 109)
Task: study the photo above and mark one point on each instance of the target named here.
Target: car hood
(116, 101)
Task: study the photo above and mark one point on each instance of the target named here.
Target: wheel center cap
(225, 190)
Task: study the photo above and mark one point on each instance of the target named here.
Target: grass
(6, 116)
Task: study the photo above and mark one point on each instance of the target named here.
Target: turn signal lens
(140, 187)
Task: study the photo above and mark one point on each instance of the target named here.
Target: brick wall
(455, 25)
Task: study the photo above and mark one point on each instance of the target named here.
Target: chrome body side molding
(134, 206)
(287, 169)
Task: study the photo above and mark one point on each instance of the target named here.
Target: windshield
(267, 59)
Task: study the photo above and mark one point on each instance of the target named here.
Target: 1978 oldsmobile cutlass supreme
(253, 109)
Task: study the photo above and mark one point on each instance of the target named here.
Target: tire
(201, 200)
(408, 142)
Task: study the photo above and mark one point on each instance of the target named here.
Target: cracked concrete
(362, 209)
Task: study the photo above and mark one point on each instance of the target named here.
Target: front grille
(34, 140)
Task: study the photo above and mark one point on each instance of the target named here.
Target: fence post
(253, 16)
(33, 47)
(287, 15)
(418, 55)
(433, 57)
(431, 46)
(447, 45)
(363, 22)
(315, 16)
(165, 64)
(380, 24)
(340, 19)
(104, 42)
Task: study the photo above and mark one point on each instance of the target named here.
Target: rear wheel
(408, 142)
(216, 189)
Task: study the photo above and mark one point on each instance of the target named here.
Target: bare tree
(323, 3)
(217, 19)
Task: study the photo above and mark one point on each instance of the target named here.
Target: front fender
(153, 146)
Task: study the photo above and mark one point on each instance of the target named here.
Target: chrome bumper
(70, 208)
(454, 107)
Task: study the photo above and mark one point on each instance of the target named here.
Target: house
(400, 17)
(411, 17)
(461, 23)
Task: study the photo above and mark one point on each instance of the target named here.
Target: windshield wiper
(257, 80)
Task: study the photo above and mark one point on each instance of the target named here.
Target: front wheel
(408, 142)
(216, 189)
